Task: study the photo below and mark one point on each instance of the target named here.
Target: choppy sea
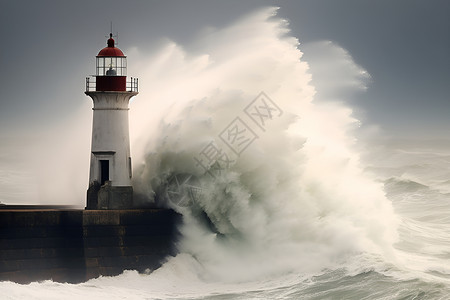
(415, 179)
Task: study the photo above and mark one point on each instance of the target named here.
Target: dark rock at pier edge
(68, 245)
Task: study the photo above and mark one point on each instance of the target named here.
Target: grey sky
(404, 45)
(48, 48)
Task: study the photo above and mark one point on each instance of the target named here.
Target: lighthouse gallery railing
(132, 84)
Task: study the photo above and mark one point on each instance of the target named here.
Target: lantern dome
(111, 50)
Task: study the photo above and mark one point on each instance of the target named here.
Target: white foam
(296, 199)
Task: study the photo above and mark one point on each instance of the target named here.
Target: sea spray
(293, 197)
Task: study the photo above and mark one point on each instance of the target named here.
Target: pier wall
(77, 245)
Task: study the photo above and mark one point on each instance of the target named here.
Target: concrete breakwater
(76, 245)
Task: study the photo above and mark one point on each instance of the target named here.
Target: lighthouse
(110, 167)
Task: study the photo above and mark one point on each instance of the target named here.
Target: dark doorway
(104, 171)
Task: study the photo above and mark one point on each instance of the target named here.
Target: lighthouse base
(109, 197)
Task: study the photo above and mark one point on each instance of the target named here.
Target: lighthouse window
(111, 66)
(129, 167)
(110, 62)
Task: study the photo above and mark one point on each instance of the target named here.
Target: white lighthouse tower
(110, 168)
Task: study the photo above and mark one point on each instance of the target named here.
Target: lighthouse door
(104, 171)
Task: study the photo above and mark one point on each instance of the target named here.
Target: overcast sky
(48, 48)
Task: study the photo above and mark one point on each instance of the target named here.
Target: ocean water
(415, 181)
(282, 197)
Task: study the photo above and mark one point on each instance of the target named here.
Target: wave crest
(294, 198)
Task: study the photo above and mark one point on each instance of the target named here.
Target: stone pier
(68, 245)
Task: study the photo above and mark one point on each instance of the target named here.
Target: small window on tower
(129, 167)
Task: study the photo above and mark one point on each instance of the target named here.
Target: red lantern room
(111, 71)
(111, 68)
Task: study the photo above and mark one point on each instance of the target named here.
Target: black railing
(90, 84)
(131, 86)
